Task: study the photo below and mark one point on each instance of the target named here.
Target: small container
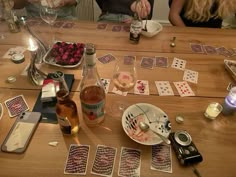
(213, 110)
(229, 106)
(18, 58)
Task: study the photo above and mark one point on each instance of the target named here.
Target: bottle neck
(90, 60)
(62, 96)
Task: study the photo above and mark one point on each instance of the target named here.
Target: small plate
(230, 66)
(150, 114)
(51, 60)
(153, 28)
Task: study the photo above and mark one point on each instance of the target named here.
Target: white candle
(213, 110)
(32, 46)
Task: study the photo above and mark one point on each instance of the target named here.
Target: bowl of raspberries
(65, 54)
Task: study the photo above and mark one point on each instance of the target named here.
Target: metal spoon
(145, 127)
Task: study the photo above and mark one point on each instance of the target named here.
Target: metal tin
(18, 58)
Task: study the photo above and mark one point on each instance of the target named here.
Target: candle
(229, 106)
(32, 46)
(213, 110)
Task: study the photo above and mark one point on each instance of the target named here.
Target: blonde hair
(200, 10)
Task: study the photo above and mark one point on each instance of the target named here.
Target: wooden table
(214, 139)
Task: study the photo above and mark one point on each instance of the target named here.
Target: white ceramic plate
(150, 114)
(51, 60)
(153, 28)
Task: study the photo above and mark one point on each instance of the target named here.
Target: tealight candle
(213, 110)
(32, 46)
(229, 106)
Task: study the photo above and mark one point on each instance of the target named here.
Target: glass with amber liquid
(92, 93)
(66, 109)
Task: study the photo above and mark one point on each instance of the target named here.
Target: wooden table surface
(214, 139)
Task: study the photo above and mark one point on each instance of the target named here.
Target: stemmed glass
(124, 78)
(49, 15)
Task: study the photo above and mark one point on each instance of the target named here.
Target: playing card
(164, 88)
(190, 76)
(58, 24)
(147, 62)
(197, 48)
(178, 64)
(161, 158)
(230, 85)
(130, 162)
(116, 28)
(183, 89)
(106, 58)
(141, 87)
(118, 92)
(106, 83)
(101, 26)
(210, 49)
(232, 51)
(104, 161)
(223, 51)
(126, 28)
(16, 105)
(161, 62)
(129, 60)
(13, 51)
(77, 159)
(68, 25)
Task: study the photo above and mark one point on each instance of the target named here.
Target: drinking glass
(124, 79)
(2, 36)
(49, 15)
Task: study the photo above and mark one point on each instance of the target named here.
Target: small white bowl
(153, 28)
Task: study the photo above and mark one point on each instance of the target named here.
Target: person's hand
(142, 7)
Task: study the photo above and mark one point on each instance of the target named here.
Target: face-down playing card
(106, 58)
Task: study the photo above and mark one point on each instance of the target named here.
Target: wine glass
(49, 15)
(124, 78)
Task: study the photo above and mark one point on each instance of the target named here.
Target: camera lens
(183, 138)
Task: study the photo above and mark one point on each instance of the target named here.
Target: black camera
(184, 148)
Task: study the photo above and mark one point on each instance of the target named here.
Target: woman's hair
(203, 10)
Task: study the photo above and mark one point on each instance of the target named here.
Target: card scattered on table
(103, 163)
(190, 76)
(130, 162)
(178, 64)
(129, 60)
(116, 28)
(223, 51)
(197, 48)
(161, 62)
(161, 158)
(147, 62)
(210, 49)
(101, 26)
(77, 159)
(106, 58)
(164, 88)
(184, 89)
(106, 83)
(16, 105)
(68, 25)
(141, 87)
(13, 51)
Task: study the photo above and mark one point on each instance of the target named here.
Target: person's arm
(174, 13)
(143, 8)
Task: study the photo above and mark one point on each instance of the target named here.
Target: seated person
(66, 8)
(123, 10)
(200, 13)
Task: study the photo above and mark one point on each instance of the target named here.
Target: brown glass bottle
(66, 109)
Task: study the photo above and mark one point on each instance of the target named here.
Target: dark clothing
(211, 23)
(119, 6)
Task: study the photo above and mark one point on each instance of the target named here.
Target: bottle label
(93, 112)
(135, 30)
(64, 124)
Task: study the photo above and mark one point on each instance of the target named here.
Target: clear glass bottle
(92, 93)
(66, 109)
(135, 27)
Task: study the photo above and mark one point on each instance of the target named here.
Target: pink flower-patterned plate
(150, 114)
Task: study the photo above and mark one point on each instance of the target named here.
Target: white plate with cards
(150, 114)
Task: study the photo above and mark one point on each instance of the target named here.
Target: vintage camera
(184, 148)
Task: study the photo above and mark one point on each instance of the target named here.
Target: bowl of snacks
(65, 54)
(153, 27)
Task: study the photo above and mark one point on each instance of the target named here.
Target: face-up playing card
(106, 83)
(101, 26)
(178, 64)
(197, 48)
(68, 25)
(126, 28)
(141, 87)
(164, 88)
(190, 76)
(77, 159)
(210, 49)
(118, 92)
(232, 51)
(58, 24)
(104, 161)
(13, 51)
(129, 60)
(161, 62)
(16, 105)
(184, 89)
(116, 28)
(106, 58)
(130, 162)
(223, 51)
(147, 62)
(161, 158)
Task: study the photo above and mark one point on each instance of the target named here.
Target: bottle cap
(179, 119)
(11, 79)
(18, 58)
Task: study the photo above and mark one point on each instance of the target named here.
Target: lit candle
(229, 106)
(32, 46)
(213, 110)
